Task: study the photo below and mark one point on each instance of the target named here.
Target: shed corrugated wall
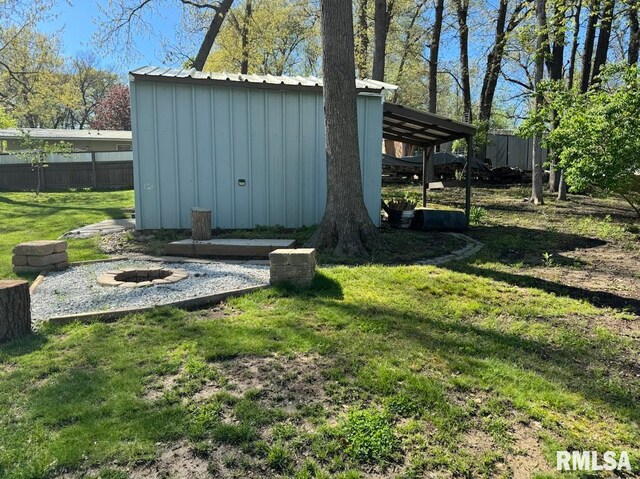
(193, 144)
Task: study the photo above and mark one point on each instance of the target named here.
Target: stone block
(39, 248)
(31, 269)
(19, 260)
(302, 256)
(279, 256)
(295, 266)
(62, 265)
(47, 260)
(60, 247)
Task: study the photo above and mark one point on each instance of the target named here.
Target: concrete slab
(102, 228)
(227, 247)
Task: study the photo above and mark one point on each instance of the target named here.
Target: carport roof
(419, 128)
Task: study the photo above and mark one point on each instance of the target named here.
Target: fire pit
(141, 277)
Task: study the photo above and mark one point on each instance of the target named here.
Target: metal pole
(93, 169)
(425, 156)
(467, 204)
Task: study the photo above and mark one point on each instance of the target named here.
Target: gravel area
(75, 290)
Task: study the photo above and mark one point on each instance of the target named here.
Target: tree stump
(200, 224)
(15, 309)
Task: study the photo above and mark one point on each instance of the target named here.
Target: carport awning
(419, 128)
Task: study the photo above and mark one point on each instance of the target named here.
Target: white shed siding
(193, 143)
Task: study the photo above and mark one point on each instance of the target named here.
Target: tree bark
(634, 32)
(212, 33)
(604, 37)
(345, 225)
(562, 188)
(462, 11)
(200, 224)
(15, 310)
(434, 53)
(541, 41)
(382, 19)
(589, 39)
(244, 65)
(362, 37)
(494, 59)
(555, 66)
(575, 43)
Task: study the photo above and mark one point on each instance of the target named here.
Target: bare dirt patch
(177, 462)
(286, 382)
(527, 458)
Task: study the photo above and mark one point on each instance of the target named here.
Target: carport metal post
(427, 156)
(467, 203)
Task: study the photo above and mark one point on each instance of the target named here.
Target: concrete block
(19, 260)
(39, 248)
(279, 256)
(303, 256)
(48, 259)
(60, 247)
(32, 269)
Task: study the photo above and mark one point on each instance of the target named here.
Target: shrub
(477, 215)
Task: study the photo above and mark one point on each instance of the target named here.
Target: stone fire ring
(141, 277)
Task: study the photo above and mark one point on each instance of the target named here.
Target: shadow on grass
(113, 213)
(25, 345)
(601, 299)
(474, 350)
(510, 245)
(322, 287)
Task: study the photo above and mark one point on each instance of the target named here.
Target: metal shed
(251, 148)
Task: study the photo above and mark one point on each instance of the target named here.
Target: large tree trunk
(434, 51)
(15, 310)
(462, 11)
(212, 33)
(382, 19)
(604, 37)
(244, 65)
(634, 32)
(555, 65)
(575, 43)
(589, 39)
(541, 41)
(362, 40)
(346, 225)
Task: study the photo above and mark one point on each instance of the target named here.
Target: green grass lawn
(376, 371)
(27, 217)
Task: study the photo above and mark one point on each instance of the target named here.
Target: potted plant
(401, 212)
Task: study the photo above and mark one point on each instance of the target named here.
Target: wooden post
(15, 309)
(467, 203)
(200, 224)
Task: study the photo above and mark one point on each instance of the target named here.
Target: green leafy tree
(597, 133)
(36, 152)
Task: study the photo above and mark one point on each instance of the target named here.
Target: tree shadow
(600, 299)
(47, 209)
(467, 346)
(510, 245)
(23, 346)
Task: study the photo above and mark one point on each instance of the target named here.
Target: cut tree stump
(200, 224)
(15, 309)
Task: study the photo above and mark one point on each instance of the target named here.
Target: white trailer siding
(193, 144)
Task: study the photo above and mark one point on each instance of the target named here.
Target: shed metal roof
(256, 81)
(66, 135)
(416, 127)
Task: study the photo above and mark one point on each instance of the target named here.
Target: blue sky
(75, 21)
